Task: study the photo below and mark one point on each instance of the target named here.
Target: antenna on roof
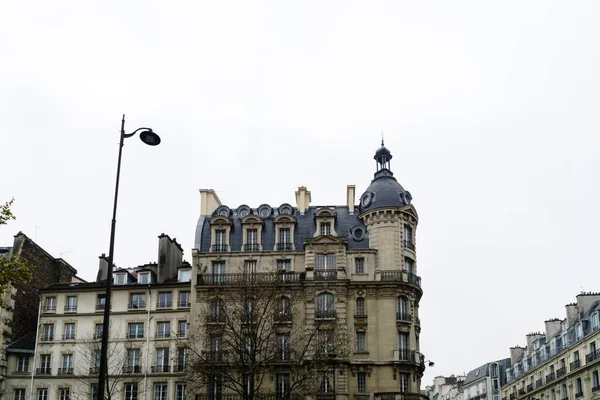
(382, 138)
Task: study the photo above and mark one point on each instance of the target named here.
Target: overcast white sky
(490, 111)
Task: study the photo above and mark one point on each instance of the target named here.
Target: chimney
(350, 189)
(585, 301)
(552, 328)
(515, 354)
(209, 201)
(302, 199)
(572, 314)
(532, 337)
(102, 268)
(170, 257)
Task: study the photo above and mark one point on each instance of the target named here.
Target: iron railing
(65, 371)
(43, 371)
(50, 309)
(69, 336)
(592, 356)
(184, 304)
(325, 314)
(409, 245)
(409, 356)
(574, 365)
(284, 246)
(257, 277)
(137, 306)
(401, 276)
(219, 248)
(403, 317)
(160, 368)
(400, 396)
(70, 308)
(251, 247)
(132, 369)
(164, 304)
(325, 275)
(550, 377)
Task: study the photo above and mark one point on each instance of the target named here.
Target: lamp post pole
(152, 139)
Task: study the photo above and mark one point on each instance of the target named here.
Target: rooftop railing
(256, 277)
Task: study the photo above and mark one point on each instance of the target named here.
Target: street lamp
(152, 139)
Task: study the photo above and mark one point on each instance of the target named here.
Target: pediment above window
(283, 218)
(324, 212)
(252, 219)
(220, 221)
(325, 240)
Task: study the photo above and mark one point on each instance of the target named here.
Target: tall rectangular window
(182, 328)
(359, 265)
(71, 304)
(325, 267)
(162, 359)
(63, 394)
(361, 342)
(48, 332)
(165, 300)
(361, 382)
(184, 299)
(135, 330)
(69, 332)
(99, 328)
(403, 349)
(595, 321)
(137, 301)
(404, 379)
(67, 364)
(45, 363)
(50, 305)
(100, 302)
(42, 394)
(220, 241)
(408, 237)
(285, 235)
(409, 265)
(215, 386)
(595, 381)
(325, 228)
(23, 364)
(94, 391)
(284, 265)
(283, 347)
(180, 391)
(250, 267)
(282, 386)
(578, 388)
(131, 391)
(19, 394)
(251, 240)
(143, 278)
(326, 384)
(360, 307)
(163, 329)
(133, 360)
(183, 355)
(218, 272)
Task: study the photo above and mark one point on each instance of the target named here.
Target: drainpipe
(37, 332)
(149, 304)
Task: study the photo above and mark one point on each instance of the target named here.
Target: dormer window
(184, 275)
(325, 219)
(144, 278)
(252, 226)
(251, 240)
(595, 321)
(284, 232)
(121, 278)
(325, 228)
(579, 331)
(220, 228)
(220, 241)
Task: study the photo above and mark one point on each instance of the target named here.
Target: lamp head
(150, 138)
(431, 363)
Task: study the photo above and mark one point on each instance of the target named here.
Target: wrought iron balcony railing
(325, 275)
(181, 367)
(134, 335)
(561, 372)
(538, 383)
(70, 309)
(530, 387)
(163, 335)
(184, 304)
(100, 307)
(409, 356)
(160, 368)
(43, 371)
(68, 336)
(257, 277)
(575, 364)
(325, 314)
(164, 304)
(132, 369)
(550, 377)
(403, 317)
(137, 306)
(594, 355)
(47, 338)
(50, 309)
(284, 246)
(251, 247)
(401, 276)
(283, 317)
(219, 248)
(399, 396)
(65, 371)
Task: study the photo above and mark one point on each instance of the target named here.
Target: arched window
(217, 310)
(360, 306)
(402, 309)
(325, 305)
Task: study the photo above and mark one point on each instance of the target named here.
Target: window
(409, 265)
(283, 347)
(165, 300)
(326, 384)
(182, 329)
(402, 310)
(360, 307)
(215, 348)
(408, 237)
(121, 279)
(137, 301)
(404, 379)
(19, 394)
(403, 351)
(361, 382)
(565, 394)
(160, 391)
(45, 364)
(183, 356)
(214, 387)
(284, 265)
(42, 394)
(69, 332)
(184, 299)
(135, 330)
(218, 272)
(359, 265)
(94, 391)
(131, 391)
(251, 240)
(326, 305)
(98, 331)
(250, 267)
(50, 305)
(48, 332)
(284, 309)
(185, 275)
(553, 395)
(67, 365)
(100, 302)
(361, 342)
(249, 310)
(325, 268)
(579, 331)
(578, 388)
(162, 359)
(143, 278)
(23, 364)
(282, 386)
(285, 239)
(71, 304)
(63, 394)
(217, 311)
(180, 391)
(96, 361)
(133, 361)
(220, 241)
(163, 329)
(325, 228)
(595, 321)
(595, 381)
(325, 341)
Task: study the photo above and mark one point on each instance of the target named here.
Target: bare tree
(124, 365)
(253, 335)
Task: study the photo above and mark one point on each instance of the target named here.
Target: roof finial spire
(382, 138)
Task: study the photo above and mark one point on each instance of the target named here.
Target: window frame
(361, 342)
(359, 265)
(361, 382)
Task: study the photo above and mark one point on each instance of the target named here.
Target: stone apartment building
(149, 329)
(349, 269)
(564, 362)
(484, 382)
(446, 388)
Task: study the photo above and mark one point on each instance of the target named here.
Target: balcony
(399, 396)
(325, 275)
(257, 277)
(539, 383)
(164, 304)
(65, 371)
(594, 355)
(160, 369)
(595, 388)
(401, 276)
(530, 387)
(561, 372)
(219, 248)
(251, 247)
(43, 371)
(521, 391)
(409, 356)
(512, 396)
(70, 309)
(136, 306)
(134, 335)
(283, 318)
(50, 309)
(100, 307)
(325, 314)
(132, 369)
(550, 377)
(68, 336)
(403, 317)
(574, 365)
(284, 246)
(408, 244)
(163, 335)
(184, 304)
(181, 367)
(47, 338)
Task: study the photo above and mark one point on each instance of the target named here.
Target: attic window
(579, 331)
(477, 372)
(144, 278)
(325, 228)
(184, 275)
(121, 279)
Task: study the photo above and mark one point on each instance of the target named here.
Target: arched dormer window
(325, 219)
(220, 228)
(284, 232)
(252, 231)
(402, 309)
(360, 307)
(325, 306)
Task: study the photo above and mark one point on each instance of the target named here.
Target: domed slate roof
(384, 190)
